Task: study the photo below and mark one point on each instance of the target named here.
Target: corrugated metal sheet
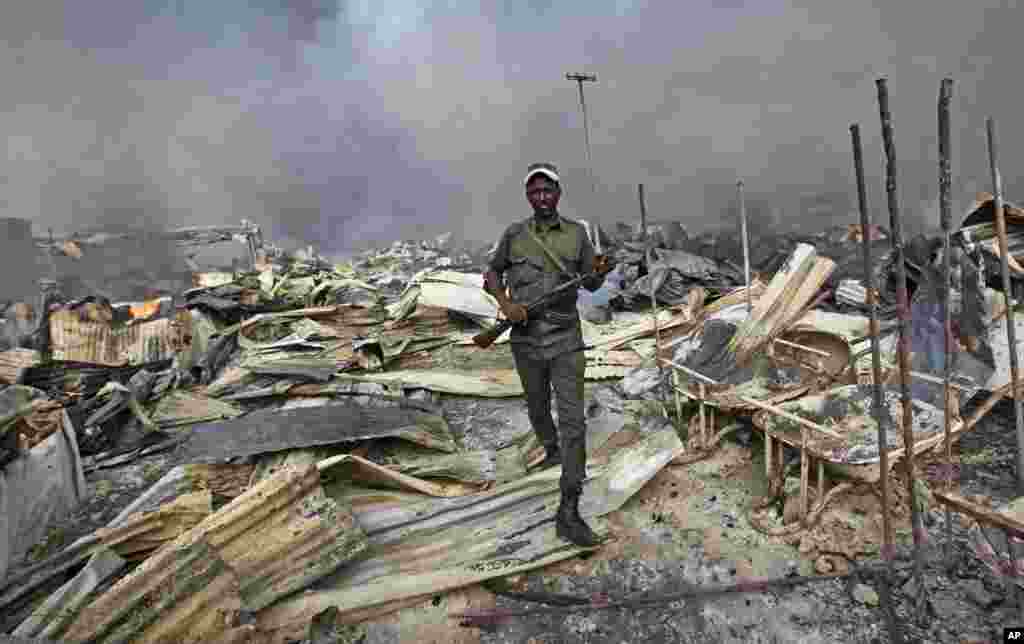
(148, 531)
(462, 292)
(487, 383)
(56, 612)
(276, 538)
(366, 471)
(211, 279)
(442, 544)
(14, 361)
(97, 342)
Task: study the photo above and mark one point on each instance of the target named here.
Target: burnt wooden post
(1004, 261)
(643, 210)
(946, 221)
(645, 264)
(903, 310)
(876, 357)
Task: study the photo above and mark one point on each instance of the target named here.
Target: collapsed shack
(326, 425)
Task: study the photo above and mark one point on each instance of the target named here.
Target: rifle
(488, 337)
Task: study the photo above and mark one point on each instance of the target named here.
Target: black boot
(570, 526)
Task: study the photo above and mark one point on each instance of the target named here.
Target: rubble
(309, 406)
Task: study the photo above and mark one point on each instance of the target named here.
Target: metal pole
(1011, 330)
(580, 79)
(876, 355)
(643, 211)
(646, 264)
(903, 310)
(746, 244)
(654, 299)
(946, 221)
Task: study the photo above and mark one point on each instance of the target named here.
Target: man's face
(543, 195)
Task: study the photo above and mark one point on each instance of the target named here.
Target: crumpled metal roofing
(439, 545)
(276, 538)
(486, 383)
(99, 342)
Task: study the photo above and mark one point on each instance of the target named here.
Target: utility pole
(580, 79)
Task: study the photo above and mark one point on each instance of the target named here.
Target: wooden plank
(809, 287)
(805, 472)
(803, 422)
(754, 332)
(821, 480)
(699, 376)
(980, 513)
(811, 350)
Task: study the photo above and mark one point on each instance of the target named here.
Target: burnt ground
(966, 601)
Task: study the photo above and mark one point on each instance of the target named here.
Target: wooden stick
(647, 256)
(712, 424)
(691, 372)
(937, 381)
(643, 210)
(986, 407)
(701, 389)
(782, 413)
(903, 312)
(679, 402)
(980, 513)
(1011, 329)
(805, 470)
(746, 244)
(694, 397)
(817, 352)
(821, 479)
(946, 222)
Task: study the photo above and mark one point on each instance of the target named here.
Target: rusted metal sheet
(279, 537)
(55, 613)
(148, 531)
(179, 408)
(270, 430)
(367, 472)
(487, 383)
(184, 593)
(14, 362)
(439, 545)
(211, 279)
(76, 338)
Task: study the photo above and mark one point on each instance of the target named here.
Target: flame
(856, 232)
(23, 311)
(145, 310)
(71, 249)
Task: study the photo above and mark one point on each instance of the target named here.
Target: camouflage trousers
(565, 375)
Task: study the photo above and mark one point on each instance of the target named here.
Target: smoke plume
(345, 122)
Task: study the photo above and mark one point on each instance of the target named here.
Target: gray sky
(370, 120)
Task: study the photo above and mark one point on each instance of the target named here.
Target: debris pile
(309, 405)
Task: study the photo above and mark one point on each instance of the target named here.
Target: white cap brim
(544, 171)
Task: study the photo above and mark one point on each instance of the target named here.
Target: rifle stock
(486, 338)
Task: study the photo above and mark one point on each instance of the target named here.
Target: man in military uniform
(532, 258)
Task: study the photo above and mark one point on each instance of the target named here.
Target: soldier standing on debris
(532, 258)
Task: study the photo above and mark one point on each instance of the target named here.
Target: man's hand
(514, 312)
(492, 285)
(603, 265)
